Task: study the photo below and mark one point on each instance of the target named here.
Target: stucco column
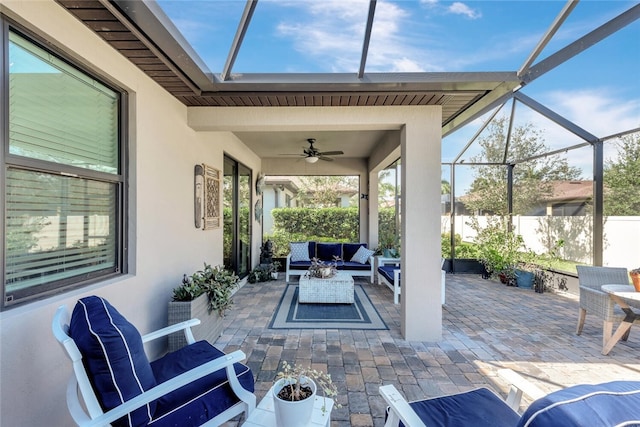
(421, 304)
(372, 210)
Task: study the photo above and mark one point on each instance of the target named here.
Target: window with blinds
(63, 184)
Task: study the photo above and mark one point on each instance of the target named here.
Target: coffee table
(336, 289)
(264, 415)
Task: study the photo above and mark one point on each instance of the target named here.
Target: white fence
(540, 233)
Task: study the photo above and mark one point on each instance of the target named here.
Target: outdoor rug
(359, 315)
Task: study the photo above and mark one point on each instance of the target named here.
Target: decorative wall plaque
(212, 215)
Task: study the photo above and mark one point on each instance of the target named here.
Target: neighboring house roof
(291, 183)
(570, 190)
(560, 191)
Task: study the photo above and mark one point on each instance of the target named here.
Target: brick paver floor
(486, 326)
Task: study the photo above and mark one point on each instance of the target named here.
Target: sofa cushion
(387, 271)
(350, 265)
(327, 251)
(299, 265)
(299, 251)
(207, 396)
(593, 405)
(350, 249)
(312, 249)
(361, 256)
(477, 408)
(114, 357)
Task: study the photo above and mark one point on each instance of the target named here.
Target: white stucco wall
(164, 242)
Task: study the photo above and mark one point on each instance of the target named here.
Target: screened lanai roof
(468, 57)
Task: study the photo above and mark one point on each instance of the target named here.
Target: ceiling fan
(312, 154)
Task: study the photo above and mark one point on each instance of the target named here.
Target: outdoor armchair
(594, 301)
(601, 405)
(114, 384)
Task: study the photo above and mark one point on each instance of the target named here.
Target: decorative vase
(293, 413)
(274, 275)
(635, 278)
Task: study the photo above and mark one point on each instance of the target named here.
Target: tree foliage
(532, 180)
(622, 178)
(324, 191)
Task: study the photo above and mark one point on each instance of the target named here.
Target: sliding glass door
(237, 217)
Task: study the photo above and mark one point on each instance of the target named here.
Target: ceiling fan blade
(326, 159)
(331, 153)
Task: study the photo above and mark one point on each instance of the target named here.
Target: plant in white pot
(294, 394)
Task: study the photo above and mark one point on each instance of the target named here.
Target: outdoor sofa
(355, 259)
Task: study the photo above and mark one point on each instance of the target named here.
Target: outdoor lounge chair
(610, 404)
(594, 301)
(114, 383)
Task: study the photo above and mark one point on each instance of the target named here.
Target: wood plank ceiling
(107, 21)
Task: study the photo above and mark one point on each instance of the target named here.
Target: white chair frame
(80, 391)
(400, 410)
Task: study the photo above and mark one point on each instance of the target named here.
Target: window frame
(119, 180)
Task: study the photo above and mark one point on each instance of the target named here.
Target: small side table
(264, 415)
(622, 295)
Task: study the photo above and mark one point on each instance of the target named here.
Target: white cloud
(596, 111)
(459, 8)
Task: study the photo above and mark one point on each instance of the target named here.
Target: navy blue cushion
(477, 408)
(599, 405)
(201, 400)
(350, 265)
(387, 271)
(312, 250)
(114, 357)
(299, 265)
(326, 251)
(350, 249)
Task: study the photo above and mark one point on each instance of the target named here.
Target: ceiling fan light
(311, 159)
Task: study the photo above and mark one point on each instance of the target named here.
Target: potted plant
(294, 394)
(323, 270)
(264, 272)
(635, 278)
(499, 248)
(205, 295)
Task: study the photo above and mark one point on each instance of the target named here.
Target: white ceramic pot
(293, 414)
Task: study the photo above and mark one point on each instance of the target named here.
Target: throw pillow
(350, 249)
(114, 357)
(362, 255)
(299, 251)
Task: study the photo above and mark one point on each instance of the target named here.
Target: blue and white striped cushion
(114, 357)
(610, 404)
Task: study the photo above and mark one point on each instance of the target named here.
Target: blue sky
(598, 90)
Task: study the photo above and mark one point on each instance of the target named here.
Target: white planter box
(209, 329)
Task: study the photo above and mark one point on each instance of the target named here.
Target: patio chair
(595, 301)
(389, 274)
(601, 405)
(114, 383)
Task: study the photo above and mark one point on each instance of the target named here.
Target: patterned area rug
(359, 315)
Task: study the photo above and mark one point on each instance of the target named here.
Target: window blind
(57, 114)
(57, 228)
